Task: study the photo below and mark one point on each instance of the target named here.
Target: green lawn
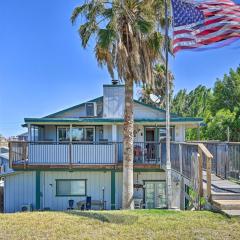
(138, 224)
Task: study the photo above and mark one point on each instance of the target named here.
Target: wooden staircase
(225, 195)
(229, 207)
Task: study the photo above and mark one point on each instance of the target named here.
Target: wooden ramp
(225, 195)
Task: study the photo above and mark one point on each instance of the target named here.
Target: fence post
(200, 172)
(10, 154)
(209, 166)
(180, 158)
(226, 165)
(24, 153)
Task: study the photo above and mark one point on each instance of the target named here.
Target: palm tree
(129, 43)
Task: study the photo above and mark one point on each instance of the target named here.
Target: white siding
(139, 133)
(141, 111)
(107, 132)
(95, 182)
(113, 101)
(179, 133)
(73, 113)
(119, 133)
(138, 177)
(19, 189)
(50, 133)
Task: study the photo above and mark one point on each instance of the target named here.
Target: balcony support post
(114, 133)
(29, 132)
(70, 147)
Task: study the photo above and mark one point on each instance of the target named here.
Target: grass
(138, 224)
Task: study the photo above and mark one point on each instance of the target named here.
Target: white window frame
(70, 194)
(68, 127)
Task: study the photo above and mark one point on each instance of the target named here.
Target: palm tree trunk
(127, 195)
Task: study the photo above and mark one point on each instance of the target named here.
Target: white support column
(70, 133)
(114, 133)
(29, 132)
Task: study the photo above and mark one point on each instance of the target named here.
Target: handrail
(202, 150)
(205, 150)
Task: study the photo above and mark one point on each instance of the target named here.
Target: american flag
(198, 24)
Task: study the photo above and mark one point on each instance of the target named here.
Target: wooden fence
(226, 159)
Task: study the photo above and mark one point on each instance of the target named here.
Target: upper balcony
(81, 154)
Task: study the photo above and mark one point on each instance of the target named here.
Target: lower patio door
(155, 194)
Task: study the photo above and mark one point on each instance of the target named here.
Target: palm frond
(83, 9)
(106, 37)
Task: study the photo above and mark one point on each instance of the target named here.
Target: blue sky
(43, 68)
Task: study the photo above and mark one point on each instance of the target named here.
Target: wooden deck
(119, 166)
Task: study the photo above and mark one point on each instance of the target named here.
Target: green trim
(38, 193)
(106, 120)
(71, 195)
(113, 190)
(71, 108)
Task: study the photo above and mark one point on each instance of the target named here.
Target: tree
(160, 88)
(219, 107)
(180, 103)
(217, 127)
(195, 103)
(226, 92)
(127, 41)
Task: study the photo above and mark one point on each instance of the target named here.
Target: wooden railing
(226, 159)
(78, 153)
(187, 159)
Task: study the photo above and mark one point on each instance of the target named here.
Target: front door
(150, 145)
(155, 194)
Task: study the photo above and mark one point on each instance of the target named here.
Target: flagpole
(168, 159)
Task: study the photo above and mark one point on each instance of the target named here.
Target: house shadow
(115, 218)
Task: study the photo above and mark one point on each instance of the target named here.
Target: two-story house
(77, 153)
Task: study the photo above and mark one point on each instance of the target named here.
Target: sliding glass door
(155, 194)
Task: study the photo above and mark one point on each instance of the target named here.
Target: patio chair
(138, 203)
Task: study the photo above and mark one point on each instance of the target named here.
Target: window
(90, 109)
(63, 134)
(78, 134)
(70, 187)
(162, 133)
(89, 134)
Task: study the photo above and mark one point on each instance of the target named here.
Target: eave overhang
(105, 121)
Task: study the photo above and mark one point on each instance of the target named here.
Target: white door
(155, 194)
